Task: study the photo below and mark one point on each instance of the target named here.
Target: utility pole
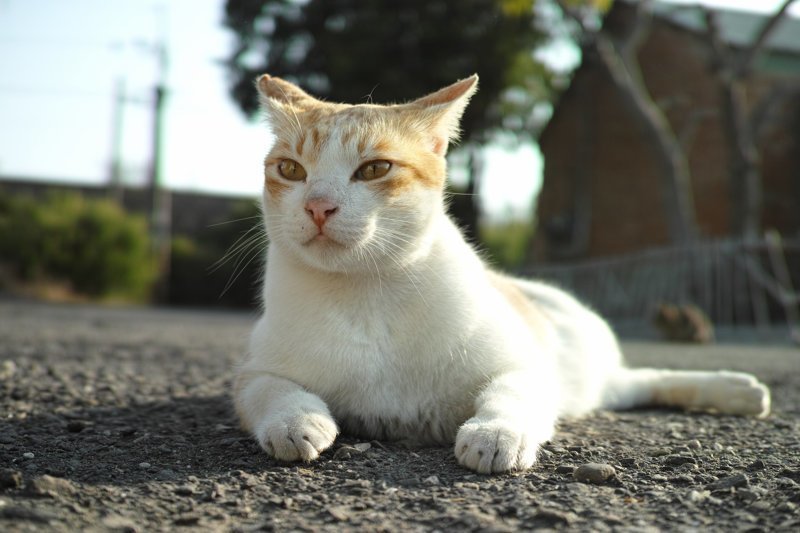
(115, 187)
(159, 201)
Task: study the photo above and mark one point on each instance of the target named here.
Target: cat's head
(356, 187)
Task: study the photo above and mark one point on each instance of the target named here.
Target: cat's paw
(736, 393)
(297, 436)
(493, 446)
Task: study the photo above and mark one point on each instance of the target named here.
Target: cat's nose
(319, 210)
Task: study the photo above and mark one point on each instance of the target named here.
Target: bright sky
(62, 59)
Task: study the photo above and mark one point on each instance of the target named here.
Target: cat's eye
(372, 170)
(291, 170)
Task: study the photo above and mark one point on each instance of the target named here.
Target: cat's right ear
(271, 88)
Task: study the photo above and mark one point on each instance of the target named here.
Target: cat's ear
(442, 110)
(272, 89)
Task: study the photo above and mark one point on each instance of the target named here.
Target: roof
(738, 28)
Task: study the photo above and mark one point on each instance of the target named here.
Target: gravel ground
(118, 420)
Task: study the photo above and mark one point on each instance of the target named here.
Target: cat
(380, 321)
(683, 323)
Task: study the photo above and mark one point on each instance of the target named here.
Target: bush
(92, 245)
(222, 264)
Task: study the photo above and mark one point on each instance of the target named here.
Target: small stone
(694, 445)
(718, 447)
(184, 490)
(738, 480)
(431, 480)
(758, 464)
(552, 516)
(345, 452)
(28, 455)
(786, 507)
(339, 512)
(696, 496)
(565, 469)
(747, 495)
(187, 520)
(7, 369)
(659, 452)
(76, 426)
(677, 460)
(362, 446)
(144, 465)
(10, 479)
(594, 473)
(51, 486)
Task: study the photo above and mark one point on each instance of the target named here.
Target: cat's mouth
(322, 239)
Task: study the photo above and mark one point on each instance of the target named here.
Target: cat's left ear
(442, 110)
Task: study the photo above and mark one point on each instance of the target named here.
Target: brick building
(592, 144)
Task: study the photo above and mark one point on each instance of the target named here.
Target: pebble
(10, 479)
(696, 496)
(432, 480)
(51, 486)
(738, 480)
(144, 465)
(338, 512)
(28, 455)
(694, 445)
(7, 369)
(677, 460)
(594, 473)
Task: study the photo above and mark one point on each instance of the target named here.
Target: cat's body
(380, 320)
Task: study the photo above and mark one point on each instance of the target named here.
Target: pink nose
(320, 210)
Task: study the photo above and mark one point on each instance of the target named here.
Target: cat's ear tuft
(443, 110)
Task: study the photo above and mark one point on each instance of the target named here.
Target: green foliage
(92, 245)
(349, 50)
(222, 264)
(505, 244)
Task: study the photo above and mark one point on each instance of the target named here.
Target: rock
(739, 480)
(694, 445)
(758, 464)
(51, 486)
(28, 455)
(120, 523)
(554, 517)
(76, 426)
(345, 452)
(432, 480)
(339, 512)
(594, 473)
(699, 496)
(677, 460)
(10, 479)
(7, 369)
(144, 465)
(184, 490)
(565, 469)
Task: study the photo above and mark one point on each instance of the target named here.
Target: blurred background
(644, 154)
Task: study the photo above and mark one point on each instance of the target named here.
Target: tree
(733, 68)
(353, 51)
(616, 51)
(356, 51)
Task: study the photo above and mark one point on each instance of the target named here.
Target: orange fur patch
(275, 188)
(526, 309)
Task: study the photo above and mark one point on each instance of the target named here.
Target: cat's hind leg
(723, 392)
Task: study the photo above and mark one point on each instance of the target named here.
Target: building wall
(619, 168)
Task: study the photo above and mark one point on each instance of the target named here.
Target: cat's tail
(723, 392)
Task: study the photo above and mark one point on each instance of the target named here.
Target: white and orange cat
(379, 320)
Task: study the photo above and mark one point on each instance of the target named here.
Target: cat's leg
(288, 422)
(512, 418)
(733, 393)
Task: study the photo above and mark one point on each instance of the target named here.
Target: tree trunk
(674, 169)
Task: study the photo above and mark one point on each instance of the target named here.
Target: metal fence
(741, 286)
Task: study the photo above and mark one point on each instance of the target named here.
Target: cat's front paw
(297, 436)
(493, 446)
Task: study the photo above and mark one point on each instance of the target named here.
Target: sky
(63, 63)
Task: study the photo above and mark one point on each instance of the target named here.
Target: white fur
(399, 332)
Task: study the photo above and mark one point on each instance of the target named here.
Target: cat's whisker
(252, 254)
(244, 241)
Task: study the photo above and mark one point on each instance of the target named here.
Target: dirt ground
(119, 420)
